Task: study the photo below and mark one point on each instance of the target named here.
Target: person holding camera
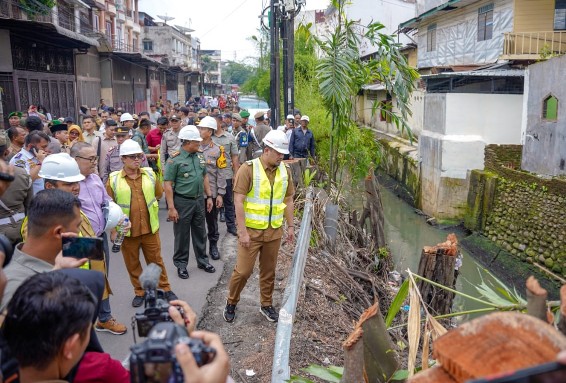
(52, 215)
(137, 190)
(31, 156)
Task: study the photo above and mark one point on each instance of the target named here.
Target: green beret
(16, 114)
(244, 114)
(56, 126)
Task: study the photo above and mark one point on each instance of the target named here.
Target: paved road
(193, 290)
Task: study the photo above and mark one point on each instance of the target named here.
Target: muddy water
(407, 232)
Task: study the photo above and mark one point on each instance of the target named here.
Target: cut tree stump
(438, 264)
(297, 167)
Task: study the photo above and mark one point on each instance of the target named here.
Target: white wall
(390, 13)
(497, 118)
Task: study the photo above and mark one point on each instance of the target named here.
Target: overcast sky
(219, 24)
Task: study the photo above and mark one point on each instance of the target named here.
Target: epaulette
(250, 162)
(287, 165)
(175, 154)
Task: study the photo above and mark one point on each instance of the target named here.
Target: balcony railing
(120, 45)
(533, 45)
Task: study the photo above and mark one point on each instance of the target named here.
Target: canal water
(407, 233)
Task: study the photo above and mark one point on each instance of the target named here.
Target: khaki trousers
(150, 244)
(245, 265)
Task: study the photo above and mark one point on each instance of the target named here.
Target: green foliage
(308, 176)
(236, 73)
(37, 7)
(397, 303)
(328, 374)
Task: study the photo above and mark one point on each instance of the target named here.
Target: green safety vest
(264, 203)
(123, 195)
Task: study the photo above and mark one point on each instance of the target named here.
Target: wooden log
(536, 299)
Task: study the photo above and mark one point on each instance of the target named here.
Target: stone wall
(520, 212)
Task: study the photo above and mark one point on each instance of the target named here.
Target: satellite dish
(166, 18)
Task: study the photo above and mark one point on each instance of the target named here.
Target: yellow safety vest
(123, 195)
(264, 203)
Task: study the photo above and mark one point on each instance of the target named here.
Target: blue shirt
(301, 143)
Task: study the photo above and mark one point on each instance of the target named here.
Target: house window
(560, 15)
(485, 22)
(109, 29)
(147, 45)
(385, 108)
(431, 38)
(96, 22)
(550, 108)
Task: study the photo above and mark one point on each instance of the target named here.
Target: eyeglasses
(91, 159)
(134, 156)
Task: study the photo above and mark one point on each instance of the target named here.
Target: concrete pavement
(193, 290)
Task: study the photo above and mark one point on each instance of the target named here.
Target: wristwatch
(208, 196)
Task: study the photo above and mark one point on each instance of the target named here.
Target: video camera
(154, 360)
(156, 307)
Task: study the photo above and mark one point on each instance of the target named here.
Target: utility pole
(288, 37)
(275, 92)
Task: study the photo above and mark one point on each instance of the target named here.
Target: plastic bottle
(121, 234)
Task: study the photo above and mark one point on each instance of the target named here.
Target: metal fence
(280, 371)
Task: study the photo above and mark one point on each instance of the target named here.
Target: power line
(220, 23)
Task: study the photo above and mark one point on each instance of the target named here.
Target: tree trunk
(374, 210)
(297, 167)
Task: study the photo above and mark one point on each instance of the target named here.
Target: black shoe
(182, 273)
(214, 251)
(222, 217)
(233, 231)
(270, 313)
(170, 295)
(208, 268)
(229, 313)
(138, 301)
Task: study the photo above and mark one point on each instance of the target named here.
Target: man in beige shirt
(103, 144)
(89, 132)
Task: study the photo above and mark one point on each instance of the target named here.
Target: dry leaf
(426, 350)
(414, 326)
(437, 329)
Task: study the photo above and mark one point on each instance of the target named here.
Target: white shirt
(25, 160)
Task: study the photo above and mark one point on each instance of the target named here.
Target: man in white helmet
(60, 171)
(263, 197)
(216, 160)
(187, 191)
(136, 190)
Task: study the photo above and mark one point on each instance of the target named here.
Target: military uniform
(14, 203)
(217, 182)
(27, 161)
(170, 146)
(187, 171)
(228, 143)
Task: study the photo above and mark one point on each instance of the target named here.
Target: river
(407, 233)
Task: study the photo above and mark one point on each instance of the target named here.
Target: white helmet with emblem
(115, 216)
(208, 122)
(277, 139)
(190, 133)
(130, 147)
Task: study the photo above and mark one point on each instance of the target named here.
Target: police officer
(14, 201)
(170, 142)
(30, 157)
(113, 160)
(263, 197)
(215, 159)
(185, 184)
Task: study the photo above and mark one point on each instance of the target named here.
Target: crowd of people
(204, 156)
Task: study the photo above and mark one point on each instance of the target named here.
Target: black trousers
(229, 210)
(212, 223)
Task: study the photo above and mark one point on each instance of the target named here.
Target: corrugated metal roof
(446, 7)
(481, 73)
(373, 87)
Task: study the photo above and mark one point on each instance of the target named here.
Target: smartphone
(542, 373)
(83, 247)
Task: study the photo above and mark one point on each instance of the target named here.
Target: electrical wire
(218, 24)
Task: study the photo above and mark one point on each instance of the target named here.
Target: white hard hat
(277, 139)
(114, 217)
(130, 147)
(305, 118)
(126, 117)
(290, 117)
(208, 122)
(190, 133)
(60, 167)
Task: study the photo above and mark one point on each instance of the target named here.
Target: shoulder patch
(20, 163)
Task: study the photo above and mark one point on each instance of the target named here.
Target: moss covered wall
(397, 161)
(520, 212)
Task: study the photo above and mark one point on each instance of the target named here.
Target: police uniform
(228, 143)
(186, 171)
(27, 161)
(217, 182)
(14, 203)
(170, 145)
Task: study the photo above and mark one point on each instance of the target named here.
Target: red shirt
(153, 138)
(100, 367)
